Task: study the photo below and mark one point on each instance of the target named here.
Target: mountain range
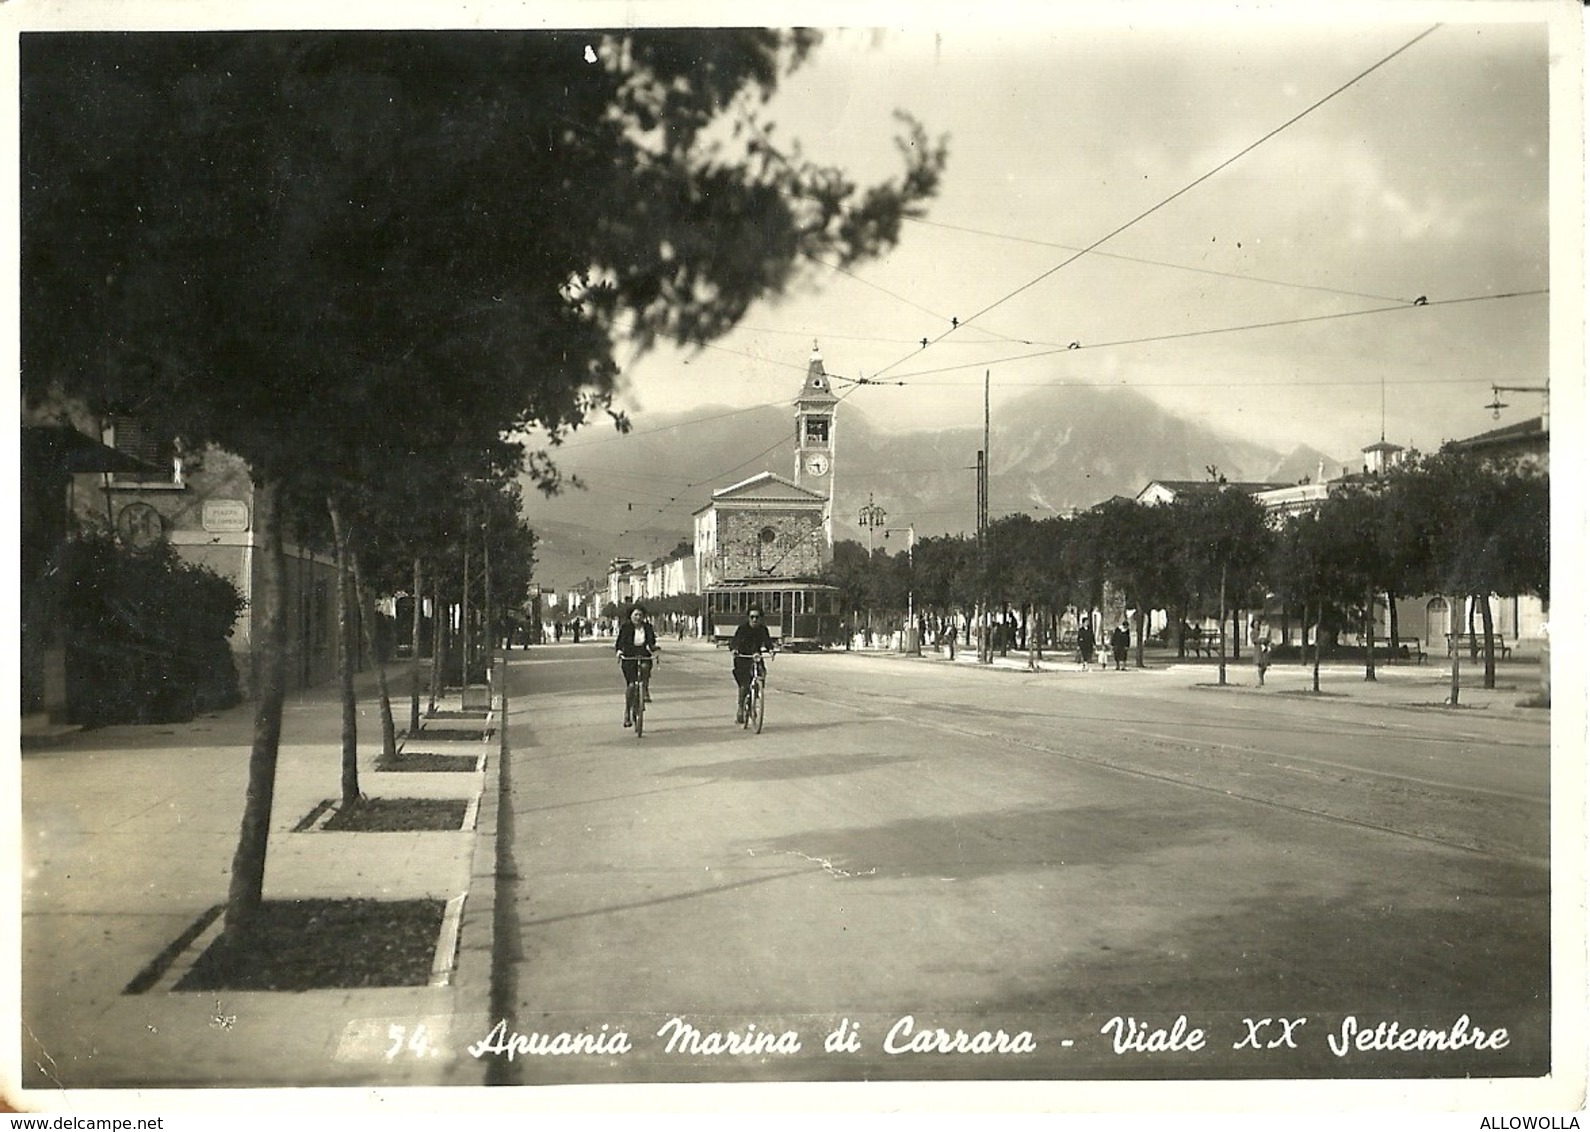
(1053, 450)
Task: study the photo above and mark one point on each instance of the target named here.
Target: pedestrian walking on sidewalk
(1120, 642)
(1259, 638)
(1085, 643)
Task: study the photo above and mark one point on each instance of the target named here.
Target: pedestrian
(1259, 638)
(1085, 642)
(1120, 641)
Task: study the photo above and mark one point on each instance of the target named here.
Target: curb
(474, 971)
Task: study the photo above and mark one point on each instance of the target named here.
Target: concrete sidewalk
(1404, 684)
(127, 837)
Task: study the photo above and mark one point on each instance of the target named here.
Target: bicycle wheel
(748, 704)
(759, 705)
(638, 707)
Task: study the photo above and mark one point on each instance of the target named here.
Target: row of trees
(370, 264)
(1451, 523)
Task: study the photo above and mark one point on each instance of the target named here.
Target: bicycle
(754, 695)
(635, 693)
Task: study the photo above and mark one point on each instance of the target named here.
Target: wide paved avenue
(1096, 875)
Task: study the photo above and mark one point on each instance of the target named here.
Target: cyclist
(750, 639)
(636, 646)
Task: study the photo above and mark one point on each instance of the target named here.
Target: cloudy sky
(1232, 213)
(1262, 205)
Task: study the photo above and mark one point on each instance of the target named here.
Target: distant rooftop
(1523, 430)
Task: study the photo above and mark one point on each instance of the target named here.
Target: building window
(159, 450)
(816, 430)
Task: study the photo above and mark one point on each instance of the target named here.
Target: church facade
(768, 528)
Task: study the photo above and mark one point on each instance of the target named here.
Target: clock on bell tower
(814, 428)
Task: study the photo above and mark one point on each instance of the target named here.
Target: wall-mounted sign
(225, 515)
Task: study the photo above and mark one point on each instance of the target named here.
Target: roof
(1208, 487)
(817, 387)
(1530, 429)
(61, 448)
(764, 487)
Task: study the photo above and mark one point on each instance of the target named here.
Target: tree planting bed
(429, 761)
(398, 815)
(299, 945)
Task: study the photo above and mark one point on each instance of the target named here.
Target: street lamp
(913, 642)
(872, 517)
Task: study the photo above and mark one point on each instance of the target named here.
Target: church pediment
(766, 487)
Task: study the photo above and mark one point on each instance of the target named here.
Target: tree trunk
(414, 657)
(436, 646)
(1222, 624)
(1142, 627)
(345, 650)
(1369, 634)
(245, 888)
(463, 623)
(1236, 634)
(1391, 623)
(1032, 637)
(1319, 619)
(367, 619)
(1489, 625)
(1456, 643)
(488, 613)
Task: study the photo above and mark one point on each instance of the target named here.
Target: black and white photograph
(640, 558)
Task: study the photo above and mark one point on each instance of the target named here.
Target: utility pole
(985, 645)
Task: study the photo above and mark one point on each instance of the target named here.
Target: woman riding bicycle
(749, 639)
(636, 646)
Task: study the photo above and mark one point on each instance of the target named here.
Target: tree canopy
(268, 240)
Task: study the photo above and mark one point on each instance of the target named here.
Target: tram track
(932, 716)
(1450, 807)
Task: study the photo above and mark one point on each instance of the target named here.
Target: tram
(798, 615)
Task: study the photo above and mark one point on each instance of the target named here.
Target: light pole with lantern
(873, 518)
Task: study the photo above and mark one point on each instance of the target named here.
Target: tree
(1223, 543)
(1484, 529)
(278, 243)
(1319, 568)
(1139, 548)
(1359, 525)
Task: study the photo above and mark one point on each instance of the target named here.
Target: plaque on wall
(221, 515)
(140, 526)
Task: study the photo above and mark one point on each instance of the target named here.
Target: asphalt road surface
(930, 871)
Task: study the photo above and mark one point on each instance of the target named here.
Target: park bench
(1202, 642)
(1413, 646)
(1475, 644)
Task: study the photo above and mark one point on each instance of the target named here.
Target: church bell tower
(814, 429)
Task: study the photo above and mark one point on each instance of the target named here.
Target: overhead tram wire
(1179, 192)
(1237, 275)
(908, 302)
(1398, 308)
